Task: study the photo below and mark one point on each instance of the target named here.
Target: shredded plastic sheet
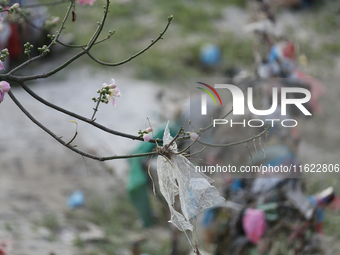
(177, 176)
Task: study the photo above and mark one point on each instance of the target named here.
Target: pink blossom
(193, 136)
(84, 2)
(113, 84)
(113, 91)
(146, 137)
(4, 87)
(1, 65)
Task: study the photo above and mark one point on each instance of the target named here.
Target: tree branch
(43, 54)
(68, 145)
(138, 53)
(79, 117)
(239, 142)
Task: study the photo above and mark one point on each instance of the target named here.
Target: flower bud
(146, 137)
(148, 130)
(113, 84)
(193, 136)
(5, 86)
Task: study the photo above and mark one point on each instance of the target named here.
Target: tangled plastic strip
(177, 176)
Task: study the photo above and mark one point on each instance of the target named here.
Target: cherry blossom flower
(4, 87)
(113, 91)
(85, 2)
(146, 137)
(193, 136)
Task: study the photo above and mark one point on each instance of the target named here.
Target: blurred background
(53, 201)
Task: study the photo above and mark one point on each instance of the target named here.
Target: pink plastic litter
(254, 224)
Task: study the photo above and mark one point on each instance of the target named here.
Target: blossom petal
(117, 92)
(5, 86)
(113, 101)
(193, 136)
(146, 137)
(1, 64)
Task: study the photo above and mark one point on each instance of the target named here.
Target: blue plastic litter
(274, 54)
(236, 185)
(210, 55)
(76, 199)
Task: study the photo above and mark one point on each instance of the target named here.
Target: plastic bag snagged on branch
(177, 176)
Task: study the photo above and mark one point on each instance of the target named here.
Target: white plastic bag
(177, 176)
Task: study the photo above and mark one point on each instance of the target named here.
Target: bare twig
(197, 152)
(75, 134)
(84, 45)
(188, 147)
(176, 136)
(137, 54)
(99, 29)
(68, 145)
(26, 19)
(77, 116)
(210, 126)
(95, 110)
(239, 142)
(43, 54)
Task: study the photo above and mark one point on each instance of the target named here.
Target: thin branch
(44, 75)
(10, 75)
(72, 114)
(84, 45)
(201, 130)
(26, 19)
(239, 142)
(176, 136)
(75, 134)
(84, 154)
(95, 110)
(208, 127)
(197, 152)
(188, 147)
(251, 157)
(138, 53)
(100, 27)
(71, 46)
(26, 78)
